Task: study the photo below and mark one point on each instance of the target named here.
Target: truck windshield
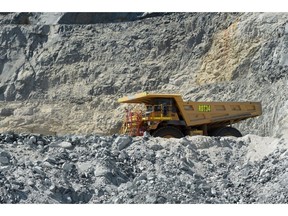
(157, 108)
(149, 108)
(154, 108)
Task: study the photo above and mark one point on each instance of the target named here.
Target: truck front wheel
(226, 131)
(168, 132)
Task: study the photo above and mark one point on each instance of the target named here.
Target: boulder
(4, 160)
(122, 142)
(68, 167)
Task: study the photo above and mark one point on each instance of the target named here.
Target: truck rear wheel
(168, 132)
(226, 131)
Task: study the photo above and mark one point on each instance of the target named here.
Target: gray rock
(68, 167)
(32, 140)
(47, 164)
(104, 144)
(123, 155)
(151, 198)
(50, 159)
(31, 182)
(100, 170)
(118, 200)
(122, 142)
(38, 170)
(213, 191)
(146, 134)
(4, 160)
(156, 147)
(5, 154)
(84, 167)
(142, 177)
(66, 145)
(40, 142)
(47, 182)
(52, 187)
(286, 28)
(6, 112)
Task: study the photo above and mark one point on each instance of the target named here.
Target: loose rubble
(121, 169)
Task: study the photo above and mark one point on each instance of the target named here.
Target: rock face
(61, 73)
(198, 169)
(68, 76)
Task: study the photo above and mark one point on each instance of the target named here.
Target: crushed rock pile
(121, 169)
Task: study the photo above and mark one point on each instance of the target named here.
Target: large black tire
(168, 132)
(226, 131)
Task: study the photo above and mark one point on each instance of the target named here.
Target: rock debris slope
(119, 169)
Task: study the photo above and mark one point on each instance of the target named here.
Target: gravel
(195, 169)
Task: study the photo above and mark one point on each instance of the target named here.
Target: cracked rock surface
(58, 78)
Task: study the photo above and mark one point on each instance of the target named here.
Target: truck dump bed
(167, 115)
(203, 113)
(218, 113)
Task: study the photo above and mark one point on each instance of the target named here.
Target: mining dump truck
(167, 115)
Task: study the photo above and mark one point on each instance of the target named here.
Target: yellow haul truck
(167, 115)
